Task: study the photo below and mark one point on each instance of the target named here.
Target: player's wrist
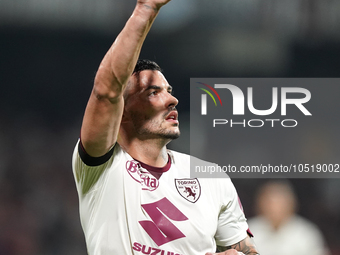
(144, 12)
(146, 6)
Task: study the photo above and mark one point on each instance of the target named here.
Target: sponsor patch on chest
(190, 189)
(139, 174)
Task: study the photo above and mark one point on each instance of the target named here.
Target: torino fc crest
(190, 189)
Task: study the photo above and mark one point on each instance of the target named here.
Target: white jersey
(127, 207)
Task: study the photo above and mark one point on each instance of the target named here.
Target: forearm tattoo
(149, 7)
(246, 246)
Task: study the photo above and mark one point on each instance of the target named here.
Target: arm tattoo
(246, 246)
(149, 7)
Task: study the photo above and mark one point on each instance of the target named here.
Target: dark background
(49, 53)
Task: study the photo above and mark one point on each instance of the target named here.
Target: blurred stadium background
(49, 52)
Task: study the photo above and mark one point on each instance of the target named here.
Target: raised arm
(105, 106)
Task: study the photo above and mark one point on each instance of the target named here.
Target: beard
(164, 134)
(152, 132)
(152, 128)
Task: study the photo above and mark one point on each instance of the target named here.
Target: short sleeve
(86, 169)
(232, 224)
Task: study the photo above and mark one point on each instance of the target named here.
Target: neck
(152, 152)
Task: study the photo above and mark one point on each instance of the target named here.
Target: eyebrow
(169, 88)
(152, 87)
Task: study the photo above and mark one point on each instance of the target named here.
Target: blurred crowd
(279, 229)
(38, 202)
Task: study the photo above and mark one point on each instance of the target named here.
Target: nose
(173, 101)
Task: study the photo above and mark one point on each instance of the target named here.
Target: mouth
(172, 117)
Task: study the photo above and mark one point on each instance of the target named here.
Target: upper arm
(232, 224)
(101, 123)
(104, 110)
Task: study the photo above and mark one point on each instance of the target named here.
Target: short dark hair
(145, 64)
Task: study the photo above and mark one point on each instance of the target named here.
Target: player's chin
(177, 134)
(174, 134)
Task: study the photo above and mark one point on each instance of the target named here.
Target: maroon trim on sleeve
(93, 161)
(249, 233)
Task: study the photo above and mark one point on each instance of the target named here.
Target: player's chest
(176, 203)
(170, 212)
